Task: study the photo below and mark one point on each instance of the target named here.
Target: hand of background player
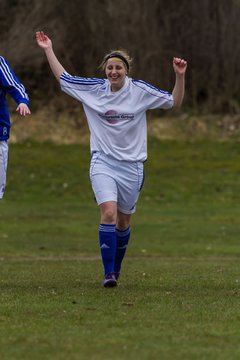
(23, 109)
(43, 40)
(179, 66)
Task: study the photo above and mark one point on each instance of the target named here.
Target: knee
(108, 216)
(123, 224)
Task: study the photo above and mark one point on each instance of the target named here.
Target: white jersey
(117, 120)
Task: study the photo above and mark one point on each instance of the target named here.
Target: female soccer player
(116, 108)
(11, 85)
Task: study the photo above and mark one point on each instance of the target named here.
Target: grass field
(179, 292)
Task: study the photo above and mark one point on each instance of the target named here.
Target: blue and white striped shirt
(10, 84)
(117, 120)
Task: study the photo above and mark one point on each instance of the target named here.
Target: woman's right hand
(46, 44)
(43, 41)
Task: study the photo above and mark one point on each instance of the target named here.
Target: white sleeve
(76, 86)
(152, 97)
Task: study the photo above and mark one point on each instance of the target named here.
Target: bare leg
(123, 221)
(108, 212)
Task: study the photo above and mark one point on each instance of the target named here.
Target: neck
(117, 87)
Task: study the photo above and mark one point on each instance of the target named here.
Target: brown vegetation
(204, 32)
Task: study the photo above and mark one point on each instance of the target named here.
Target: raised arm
(46, 44)
(180, 67)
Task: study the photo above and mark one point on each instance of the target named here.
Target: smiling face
(116, 73)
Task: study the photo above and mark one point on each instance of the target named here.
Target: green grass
(178, 295)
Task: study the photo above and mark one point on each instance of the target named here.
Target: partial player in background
(116, 109)
(10, 84)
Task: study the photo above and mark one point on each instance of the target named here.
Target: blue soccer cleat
(117, 274)
(110, 280)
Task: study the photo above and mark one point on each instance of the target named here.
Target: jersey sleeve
(152, 97)
(11, 84)
(78, 86)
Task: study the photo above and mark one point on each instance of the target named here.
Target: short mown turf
(178, 294)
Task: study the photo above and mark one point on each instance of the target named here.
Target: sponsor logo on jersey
(113, 117)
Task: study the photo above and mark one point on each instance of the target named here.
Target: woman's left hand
(179, 66)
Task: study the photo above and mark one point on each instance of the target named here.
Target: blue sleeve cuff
(23, 100)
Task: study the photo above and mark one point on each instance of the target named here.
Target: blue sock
(122, 242)
(108, 241)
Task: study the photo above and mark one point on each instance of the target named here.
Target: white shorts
(3, 166)
(116, 180)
